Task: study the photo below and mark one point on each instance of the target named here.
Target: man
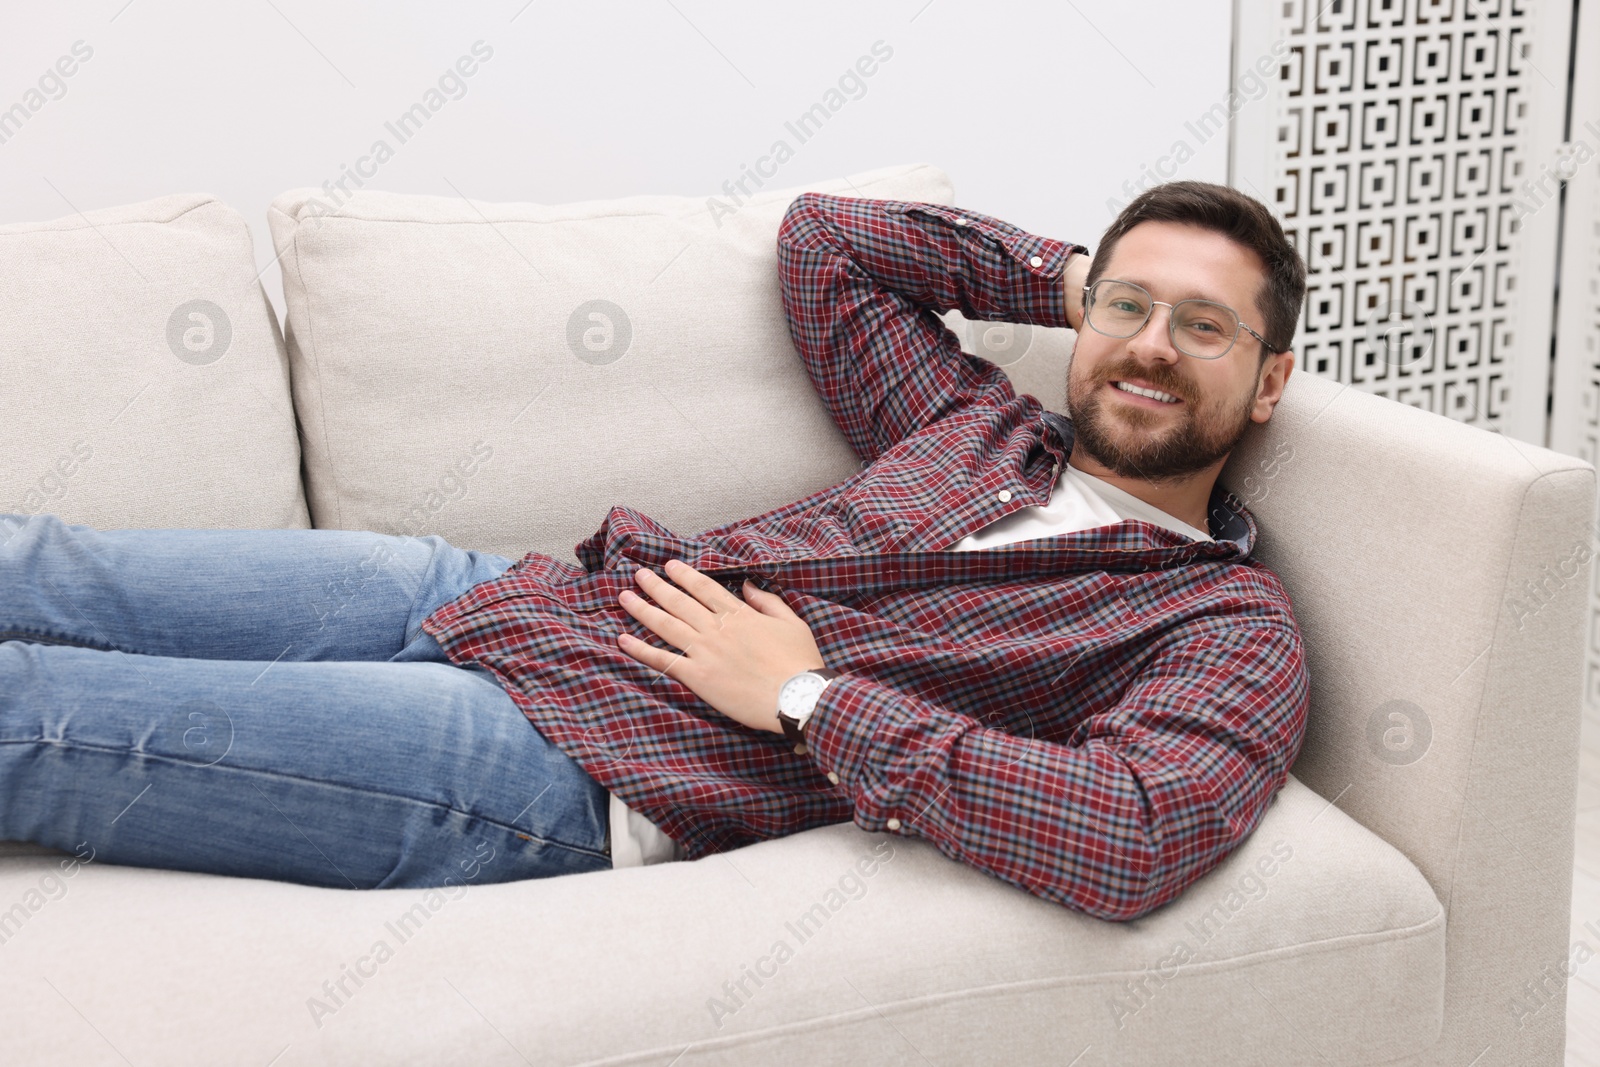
(1040, 644)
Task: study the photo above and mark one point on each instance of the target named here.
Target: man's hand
(1077, 275)
(735, 653)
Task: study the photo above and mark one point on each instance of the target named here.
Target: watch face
(799, 694)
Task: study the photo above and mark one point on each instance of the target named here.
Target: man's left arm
(1143, 798)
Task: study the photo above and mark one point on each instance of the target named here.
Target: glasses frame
(1172, 330)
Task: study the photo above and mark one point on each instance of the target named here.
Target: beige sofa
(1404, 901)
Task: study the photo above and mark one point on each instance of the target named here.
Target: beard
(1144, 443)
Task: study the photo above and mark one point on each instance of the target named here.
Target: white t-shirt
(636, 841)
(1078, 501)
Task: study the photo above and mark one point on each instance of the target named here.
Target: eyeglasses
(1203, 329)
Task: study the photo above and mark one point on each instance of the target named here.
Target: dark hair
(1240, 218)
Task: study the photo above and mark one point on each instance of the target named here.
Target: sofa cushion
(502, 374)
(1314, 942)
(146, 383)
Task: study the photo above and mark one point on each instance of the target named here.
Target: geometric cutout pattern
(1397, 156)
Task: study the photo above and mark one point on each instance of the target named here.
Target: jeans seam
(32, 637)
(312, 781)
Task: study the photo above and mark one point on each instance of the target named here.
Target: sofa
(500, 374)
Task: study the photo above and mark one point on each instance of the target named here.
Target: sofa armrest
(1440, 575)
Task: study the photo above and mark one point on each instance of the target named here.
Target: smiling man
(1158, 411)
(1097, 703)
(1042, 644)
(1168, 738)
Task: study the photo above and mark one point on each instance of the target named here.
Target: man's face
(1149, 439)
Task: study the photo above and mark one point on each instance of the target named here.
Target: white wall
(1039, 111)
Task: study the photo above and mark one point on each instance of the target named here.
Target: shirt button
(961, 222)
(893, 824)
(800, 750)
(1003, 495)
(834, 778)
(1036, 261)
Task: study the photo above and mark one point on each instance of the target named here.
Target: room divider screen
(1437, 163)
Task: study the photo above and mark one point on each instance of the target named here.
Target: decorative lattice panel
(1394, 150)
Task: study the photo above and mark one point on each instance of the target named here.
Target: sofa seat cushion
(146, 383)
(1314, 942)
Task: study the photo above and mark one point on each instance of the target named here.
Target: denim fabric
(265, 703)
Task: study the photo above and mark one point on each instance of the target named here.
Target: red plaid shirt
(1098, 717)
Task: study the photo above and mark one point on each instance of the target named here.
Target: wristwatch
(797, 699)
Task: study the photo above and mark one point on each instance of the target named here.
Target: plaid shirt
(1098, 717)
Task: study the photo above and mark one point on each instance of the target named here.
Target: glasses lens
(1204, 329)
(1118, 309)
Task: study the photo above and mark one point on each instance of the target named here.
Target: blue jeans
(264, 703)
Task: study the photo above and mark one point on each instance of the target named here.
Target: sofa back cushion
(146, 383)
(503, 374)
